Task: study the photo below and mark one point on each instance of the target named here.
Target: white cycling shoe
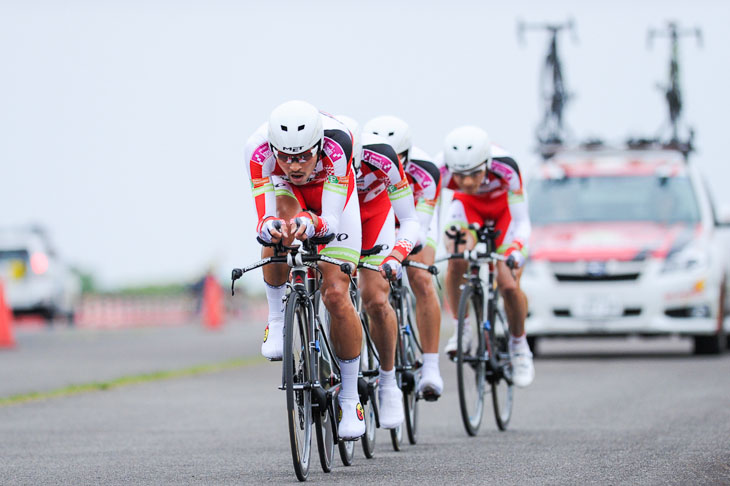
(390, 407)
(523, 370)
(273, 346)
(431, 384)
(352, 419)
(451, 347)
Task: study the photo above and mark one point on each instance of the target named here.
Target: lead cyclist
(488, 187)
(300, 168)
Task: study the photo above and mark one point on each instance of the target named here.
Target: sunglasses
(301, 158)
(471, 173)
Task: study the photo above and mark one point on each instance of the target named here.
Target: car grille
(596, 278)
(597, 271)
(628, 312)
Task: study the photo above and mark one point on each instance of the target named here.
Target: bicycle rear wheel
(501, 367)
(297, 381)
(470, 359)
(325, 439)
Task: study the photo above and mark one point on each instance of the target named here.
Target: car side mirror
(723, 216)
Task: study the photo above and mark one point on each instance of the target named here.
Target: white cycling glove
(269, 224)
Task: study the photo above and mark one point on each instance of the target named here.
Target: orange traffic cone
(6, 322)
(212, 303)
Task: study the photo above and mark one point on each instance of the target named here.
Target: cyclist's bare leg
(276, 274)
(346, 330)
(455, 272)
(428, 312)
(375, 290)
(515, 303)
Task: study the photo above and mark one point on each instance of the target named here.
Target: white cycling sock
(275, 296)
(349, 369)
(518, 343)
(431, 361)
(386, 378)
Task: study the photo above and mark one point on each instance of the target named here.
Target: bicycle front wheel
(470, 359)
(412, 358)
(368, 366)
(297, 381)
(501, 369)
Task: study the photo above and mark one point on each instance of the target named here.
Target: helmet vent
(469, 147)
(456, 148)
(283, 127)
(300, 128)
(390, 134)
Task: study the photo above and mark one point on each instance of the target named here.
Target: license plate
(597, 307)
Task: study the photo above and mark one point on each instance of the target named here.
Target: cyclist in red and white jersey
(425, 181)
(384, 194)
(300, 169)
(487, 186)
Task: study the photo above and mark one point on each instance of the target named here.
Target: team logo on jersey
(332, 179)
(342, 236)
(261, 153)
(379, 161)
(333, 150)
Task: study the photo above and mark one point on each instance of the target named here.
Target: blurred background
(123, 122)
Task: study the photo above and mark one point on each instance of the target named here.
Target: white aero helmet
(393, 129)
(295, 126)
(466, 148)
(355, 131)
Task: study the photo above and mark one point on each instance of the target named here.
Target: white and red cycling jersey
(382, 183)
(501, 198)
(425, 181)
(328, 188)
(328, 192)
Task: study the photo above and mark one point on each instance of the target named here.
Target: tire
(396, 437)
(708, 344)
(532, 343)
(297, 371)
(500, 373)
(368, 363)
(325, 439)
(412, 359)
(470, 360)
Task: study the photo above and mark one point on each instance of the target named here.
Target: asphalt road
(599, 412)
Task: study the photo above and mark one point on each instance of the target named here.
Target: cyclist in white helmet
(487, 186)
(300, 167)
(384, 194)
(425, 182)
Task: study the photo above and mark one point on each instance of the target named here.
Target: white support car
(36, 280)
(626, 242)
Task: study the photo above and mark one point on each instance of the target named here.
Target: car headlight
(694, 256)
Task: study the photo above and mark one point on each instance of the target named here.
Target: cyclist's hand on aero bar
(515, 260)
(303, 225)
(392, 264)
(272, 230)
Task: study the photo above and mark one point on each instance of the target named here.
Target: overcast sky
(122, 124)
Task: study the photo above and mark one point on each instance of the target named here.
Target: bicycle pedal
(349, 440)
(429, 396)
(274, 359)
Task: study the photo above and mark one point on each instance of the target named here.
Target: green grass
(128, 380)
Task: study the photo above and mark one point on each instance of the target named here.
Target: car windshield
(635, 198)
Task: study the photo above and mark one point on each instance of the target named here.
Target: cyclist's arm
(340, 181)
(401, 198)
(260, 163)
(517, 202)
(429, 178)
